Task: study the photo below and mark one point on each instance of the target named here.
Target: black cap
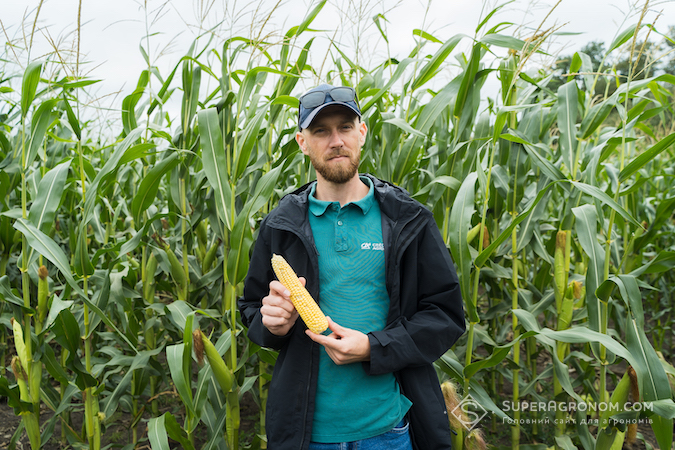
(307, 115)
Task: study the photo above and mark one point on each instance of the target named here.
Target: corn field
(122, 257)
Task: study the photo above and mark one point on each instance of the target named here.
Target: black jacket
(425, 316)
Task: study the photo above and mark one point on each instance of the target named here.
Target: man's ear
(300, 139)
(363, 130)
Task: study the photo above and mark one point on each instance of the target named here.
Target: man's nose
(336, 139)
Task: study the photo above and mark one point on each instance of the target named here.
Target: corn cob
(221, 372)
(43, 293)
(303, 302)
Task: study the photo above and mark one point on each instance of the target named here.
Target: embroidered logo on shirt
(372, 246)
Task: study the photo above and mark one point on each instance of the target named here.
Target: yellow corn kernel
(303, 302)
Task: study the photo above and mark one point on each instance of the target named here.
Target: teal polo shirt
(351, 405)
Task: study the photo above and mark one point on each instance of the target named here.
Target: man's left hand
(343, 345)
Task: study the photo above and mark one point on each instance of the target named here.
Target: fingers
(343, 345)
(277, 310)
(335, 328)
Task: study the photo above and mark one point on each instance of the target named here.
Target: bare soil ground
(118, 433)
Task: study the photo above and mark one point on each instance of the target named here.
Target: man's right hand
(278, 313)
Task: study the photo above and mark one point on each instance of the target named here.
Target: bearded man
(375, 262)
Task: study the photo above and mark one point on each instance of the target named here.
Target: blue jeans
(398, 438)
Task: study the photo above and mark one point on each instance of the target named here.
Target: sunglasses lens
(342, 94)
(313, 99)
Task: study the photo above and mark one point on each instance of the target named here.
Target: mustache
(337, 153)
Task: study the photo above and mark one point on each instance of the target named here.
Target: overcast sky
(112, 31)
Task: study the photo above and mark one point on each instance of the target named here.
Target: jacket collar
(395, 204)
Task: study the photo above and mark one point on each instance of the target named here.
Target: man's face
(333, 143)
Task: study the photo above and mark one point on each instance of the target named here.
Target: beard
(338, 173)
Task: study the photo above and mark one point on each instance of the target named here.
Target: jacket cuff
(259, 334)
(372, 367)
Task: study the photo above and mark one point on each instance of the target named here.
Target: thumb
(334, 327)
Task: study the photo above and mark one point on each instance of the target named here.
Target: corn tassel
(304, 303)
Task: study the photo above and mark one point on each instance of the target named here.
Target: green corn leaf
(485, 254)
(48, 198)
(286, 100)
(567, 119)
(490, 14)
(247, 142)
(587, 234)
(498, 355)
(468, 79)
(504, 41)
(646, 156)
(72, 119)
(81, 262)
(139, 361)
(552, 172)
(377, 18)
(31, 78)
(67, 332)
(176, 432)
(44, 245)
(622, 38)
(130, 101)
(53, 366)
(241, 238)
(309, 18)
(215, 163)
(653, 379)
(218, 425)
(180, 311)
(174, 355)
(452, 367)
(400, 70)
(449, 182)
(459, 226)
(424, 35)
(192, 75)
(7, 295)
(430, 69)
(663, 262)
(108, 170)
(596, 117)
(14, 397)
(42, 119)
(147, 191)
(159, 440)
(605, 199)
(405, 126)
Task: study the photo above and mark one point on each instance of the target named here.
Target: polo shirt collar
(319, 207)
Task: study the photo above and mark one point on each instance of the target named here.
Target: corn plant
(122, 254)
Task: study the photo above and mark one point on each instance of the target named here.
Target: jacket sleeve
(256, 286)
(432, 313)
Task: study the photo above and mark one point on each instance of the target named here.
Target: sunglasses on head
(318, 98)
